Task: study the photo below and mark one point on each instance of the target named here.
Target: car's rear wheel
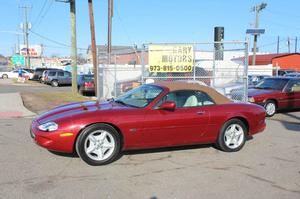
(270, 107)
(232, 136)
(4, 76)
(98, 144)
(54, 83)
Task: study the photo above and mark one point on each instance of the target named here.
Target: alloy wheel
(234, 136)
(99, 145)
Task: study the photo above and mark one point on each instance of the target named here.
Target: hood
(254, 92)
(70, 110)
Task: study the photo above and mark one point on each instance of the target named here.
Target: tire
(232, 140)
(4, 76)
(270, 107)
(98, 144)
(54, 83)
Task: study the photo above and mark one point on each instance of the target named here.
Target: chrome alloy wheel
(270, 108)
(99, 145)
(234, 136)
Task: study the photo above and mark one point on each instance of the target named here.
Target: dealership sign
(171, 58)
(33, 50)
(18, 60)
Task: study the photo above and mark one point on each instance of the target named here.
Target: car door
(60, 77)
(13, 74)
(292, 93)
(187, 124)
(67, 77)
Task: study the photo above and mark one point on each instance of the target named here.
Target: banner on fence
(171, 58)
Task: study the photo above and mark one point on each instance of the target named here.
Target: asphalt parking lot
(267, 167)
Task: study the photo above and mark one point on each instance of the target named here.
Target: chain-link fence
(221, 65)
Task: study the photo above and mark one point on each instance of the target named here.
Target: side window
(60, 74)
(67, 74)
(204, 99)
(185, 99)
(294, 86)
(51, 73)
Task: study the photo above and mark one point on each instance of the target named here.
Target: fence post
(142, 63)
(214, 66)
(115, 77)
(194, 63)
(246, 72)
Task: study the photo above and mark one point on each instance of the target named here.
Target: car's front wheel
(270, 107)
(98, 144)
(54, 83)
(4, 76)
(232, 136)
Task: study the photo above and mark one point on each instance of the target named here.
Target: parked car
(232, 87)
(86, 84)
(15, 74)
(276, 93)
(29, 70)
(156, 115)
(292, 75)
(283, 72)
(45, 74)
(58, 78)
(38, 72)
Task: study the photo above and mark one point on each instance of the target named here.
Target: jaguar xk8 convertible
(161, 114)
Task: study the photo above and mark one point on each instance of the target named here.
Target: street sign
(171, 58)
(18, 60)
(255, 31)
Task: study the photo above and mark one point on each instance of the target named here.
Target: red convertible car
(155, 115)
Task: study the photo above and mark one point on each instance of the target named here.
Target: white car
(15, 74)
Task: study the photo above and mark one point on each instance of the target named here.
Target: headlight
(251, 99)
(49, 126)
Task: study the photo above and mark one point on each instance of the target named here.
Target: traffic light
(219, 47)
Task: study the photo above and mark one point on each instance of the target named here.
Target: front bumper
(54, 141)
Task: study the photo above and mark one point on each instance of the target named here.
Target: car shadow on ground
(144, 151)
(288, 119)
(152, 150)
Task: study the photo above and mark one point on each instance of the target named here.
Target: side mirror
(168, 105)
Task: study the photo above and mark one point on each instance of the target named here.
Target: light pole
(257, 10)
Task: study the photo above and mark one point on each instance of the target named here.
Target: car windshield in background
(140, 97)
(88, 77)
(272, 83)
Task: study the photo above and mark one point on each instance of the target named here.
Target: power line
(44, 15)
(54, 41)
(40, 13)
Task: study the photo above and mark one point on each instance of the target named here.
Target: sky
(149, 21)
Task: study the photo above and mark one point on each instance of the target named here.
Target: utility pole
(110, 15)
(257, 10)
(289, 45)
(73, 46)
(296, 43)
(73, 43)
(278, 45)
(26, 33)
(93, 46)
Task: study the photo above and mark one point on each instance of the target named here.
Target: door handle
(200, 112)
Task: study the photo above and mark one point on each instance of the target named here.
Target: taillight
(88, 84)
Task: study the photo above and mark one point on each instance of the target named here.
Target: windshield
(88, 77)
(140, 96)
(273, 84)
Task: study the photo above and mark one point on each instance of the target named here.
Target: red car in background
(276, 93)
(150, 116)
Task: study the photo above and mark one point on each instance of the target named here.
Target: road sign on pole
(18, 60)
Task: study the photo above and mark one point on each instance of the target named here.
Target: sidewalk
(11, 106)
